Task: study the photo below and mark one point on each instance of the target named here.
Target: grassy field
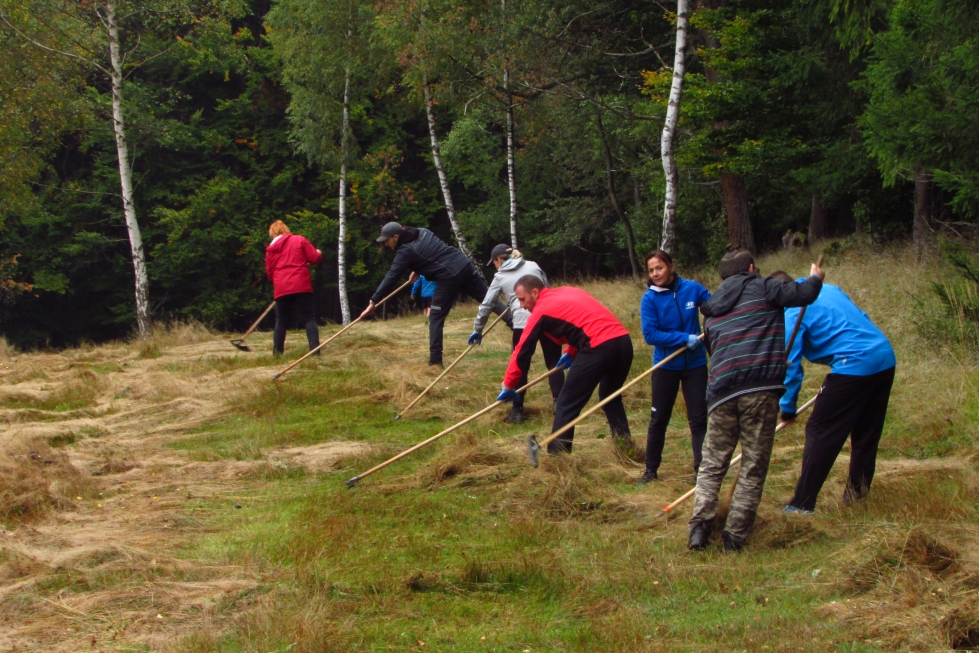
(169, 496)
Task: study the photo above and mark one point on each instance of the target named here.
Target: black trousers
(847, 406)
(298, 307)
(666, 383)
(552, 352)
(470, 282)
(606, 366)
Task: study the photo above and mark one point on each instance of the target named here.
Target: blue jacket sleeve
(650, 326)
(793, 369)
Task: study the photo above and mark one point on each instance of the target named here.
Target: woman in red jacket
(287, 261)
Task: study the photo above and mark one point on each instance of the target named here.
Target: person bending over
(670, 320)
(422, 253)
(853, 400)
(510, 267)
(598, 344)
(744, 332)
(287, 261)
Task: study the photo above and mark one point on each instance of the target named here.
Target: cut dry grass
(35, 479)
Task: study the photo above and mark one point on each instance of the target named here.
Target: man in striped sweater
(744, 332)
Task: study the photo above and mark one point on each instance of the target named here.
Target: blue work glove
(476, 338)
(693, 342)
(508, 395)
(565, 361)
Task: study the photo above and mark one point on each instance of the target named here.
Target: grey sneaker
(515, 416)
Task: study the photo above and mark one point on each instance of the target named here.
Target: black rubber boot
(515, 416)
(730, 544)
(699, 536)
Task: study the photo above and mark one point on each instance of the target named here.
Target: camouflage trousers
(750, 419)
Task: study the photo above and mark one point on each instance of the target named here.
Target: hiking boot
(436, 364)
(515, 416)
(730, 544)
(699, 536)
(647, 477)
(792, 510)
(624, 443)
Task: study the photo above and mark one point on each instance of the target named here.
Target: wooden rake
(240, 342)
(533, 448)
(353, 481)
(327, 341)
(447, 369)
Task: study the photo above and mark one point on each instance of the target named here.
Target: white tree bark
(342, 210)
(669, 129)
(143, 321)
(443, 179)
(510, 168)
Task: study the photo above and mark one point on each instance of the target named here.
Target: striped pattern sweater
(745, 333)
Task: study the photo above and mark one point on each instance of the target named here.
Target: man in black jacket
(421, 252)
(744, 332)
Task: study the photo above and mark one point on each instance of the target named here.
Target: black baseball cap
(388, 230)
(498, 251)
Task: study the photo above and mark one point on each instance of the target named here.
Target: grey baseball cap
(388, 230)
(498, 251)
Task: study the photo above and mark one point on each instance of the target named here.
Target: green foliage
(924, 95)
(958, 297)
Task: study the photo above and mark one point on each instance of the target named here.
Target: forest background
(827, 117)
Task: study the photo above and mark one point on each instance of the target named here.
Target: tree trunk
(143, 320)
(614, 198)
(924, 183)
(668, 138)
(510, 171)
(342, 211)
(739, 231)
(818, 219)
(443, 179)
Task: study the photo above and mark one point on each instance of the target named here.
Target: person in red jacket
(598, 344)
(287, 261)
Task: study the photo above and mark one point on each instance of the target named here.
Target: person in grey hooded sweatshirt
(510, 266)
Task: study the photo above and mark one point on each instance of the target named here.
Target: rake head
(533, 450)
(351, 482)
(240, 344)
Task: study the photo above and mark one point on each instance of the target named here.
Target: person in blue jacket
(422, 290)
(670, 320)
(853, 400)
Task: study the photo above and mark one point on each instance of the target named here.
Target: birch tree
(329, 59)
(95, 35)
(440, 169)
(668, 139)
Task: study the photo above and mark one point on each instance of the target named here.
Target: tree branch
(48, 49)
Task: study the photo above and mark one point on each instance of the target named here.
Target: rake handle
(260, 318)
(570, 425)
(353, 481)
(806, 406)
(323, 344)
(451, 365)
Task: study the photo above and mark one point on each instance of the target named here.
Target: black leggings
(552, 352)
(298, 306)
(606, 366)
(666, 383)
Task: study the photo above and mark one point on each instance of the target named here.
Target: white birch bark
(342, 210)
(125, 175)
(443, 179)
(510, 167)
(669, 129)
